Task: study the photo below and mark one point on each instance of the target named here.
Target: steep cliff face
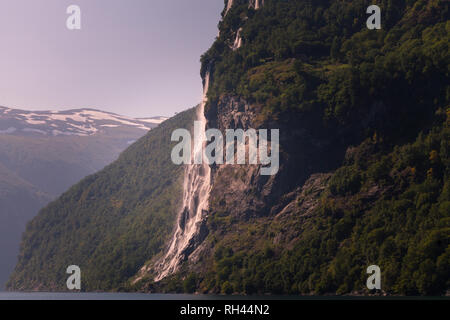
(354, 165)
(241, 189)
(242, 199)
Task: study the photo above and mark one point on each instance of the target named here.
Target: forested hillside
(110, 223)
(43, 153)
(364, 130)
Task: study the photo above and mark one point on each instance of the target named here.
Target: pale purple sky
(133, 57)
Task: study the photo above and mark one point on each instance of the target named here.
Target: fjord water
(5, 296)
(130, 296)
(95, 296)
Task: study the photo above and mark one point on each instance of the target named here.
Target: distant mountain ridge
(75, 122)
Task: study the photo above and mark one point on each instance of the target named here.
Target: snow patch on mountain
(79, 122)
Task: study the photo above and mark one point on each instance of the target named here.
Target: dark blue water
(129, 296)
(99, 296)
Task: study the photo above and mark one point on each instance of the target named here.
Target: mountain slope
(110, 223)
(43, 153)
(19, 202)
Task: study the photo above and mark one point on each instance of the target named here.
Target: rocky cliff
(352, 131)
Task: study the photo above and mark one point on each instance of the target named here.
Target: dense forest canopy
(389, 201)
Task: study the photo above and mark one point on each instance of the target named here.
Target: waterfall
(196, 189)
(238, 41)
(257, 4)
(229, 5)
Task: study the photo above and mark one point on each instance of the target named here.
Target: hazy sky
(134, 57)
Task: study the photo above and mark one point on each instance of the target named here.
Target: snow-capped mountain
(77, 122)
(43, 153)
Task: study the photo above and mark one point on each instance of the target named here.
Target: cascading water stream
(229, 5)
(197, 184)
(256, 4)
(238, 41)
